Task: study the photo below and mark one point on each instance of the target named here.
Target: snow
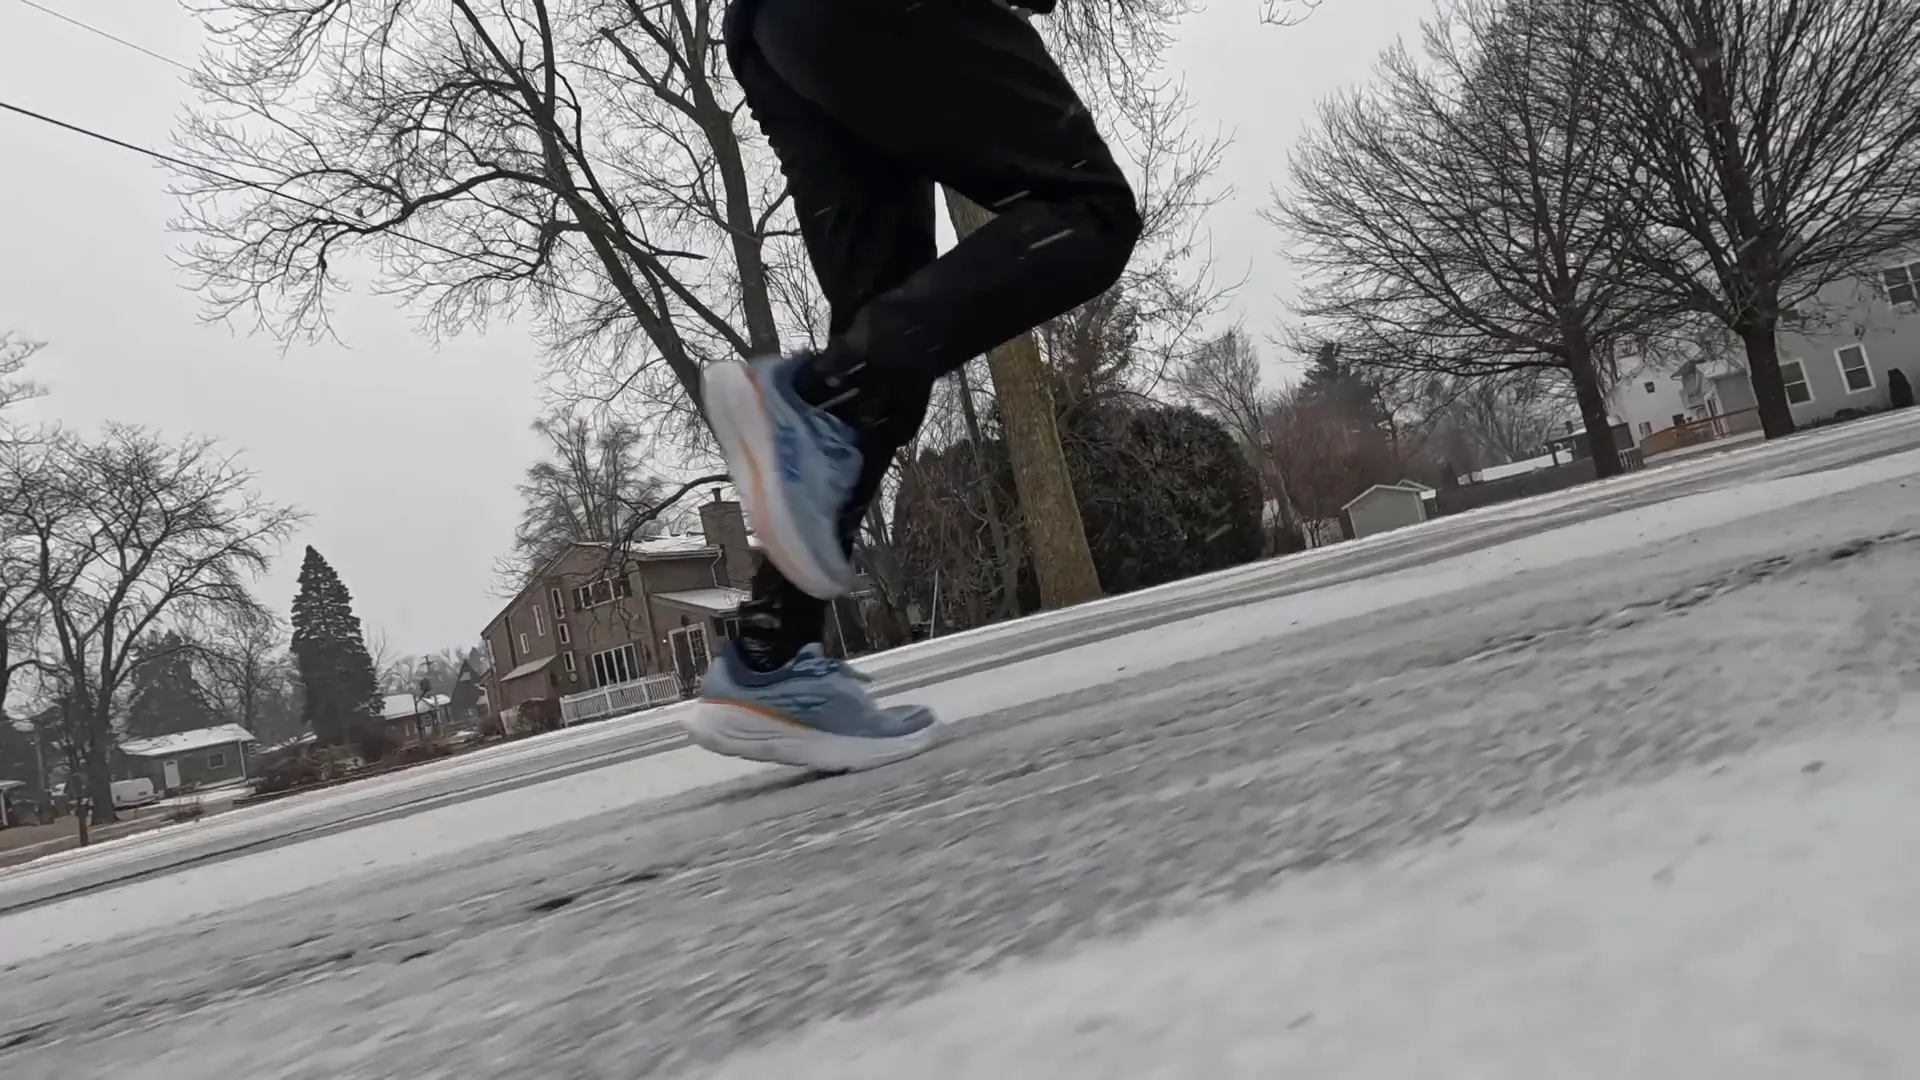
(398, 706)
(1750, 921)
(302, 808)
(408, 841)
(527, 668)
(719, 601)
(576, 796)
(185, 742)
(1514, 468)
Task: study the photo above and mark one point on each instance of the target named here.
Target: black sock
(774, 628)
(844, 386)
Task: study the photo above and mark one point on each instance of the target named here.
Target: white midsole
(743, 733)
(746, 441)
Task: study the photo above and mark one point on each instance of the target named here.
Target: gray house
(1836, 353)
(190, 760)
(1384, 507)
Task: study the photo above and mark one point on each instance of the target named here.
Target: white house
(1836, 352)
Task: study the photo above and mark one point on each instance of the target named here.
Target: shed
(7, 788)
(200, 758)
(1383, 507)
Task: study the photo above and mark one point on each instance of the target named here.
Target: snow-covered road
(1625, 797)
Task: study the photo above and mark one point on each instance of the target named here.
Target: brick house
(596, 617)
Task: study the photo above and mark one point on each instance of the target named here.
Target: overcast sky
(405, 453)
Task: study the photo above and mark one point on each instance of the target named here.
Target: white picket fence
(629, 697)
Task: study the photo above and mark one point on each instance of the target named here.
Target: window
(731, 628)
(1646, 428)
(539, 622)
(1679, 419)
(567, 661)
(553, 598)
(1650, 387)
(1854, 369)
(615, 666)
(566, 635)
(1794, 375)
(1902, 283)
(604, 591)
(216, 761)
(523, 642)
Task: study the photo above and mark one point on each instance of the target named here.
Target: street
(1435, 798)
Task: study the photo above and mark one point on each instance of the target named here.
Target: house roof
(645, 548)
(186, 742)
(526, 669)
(717, 601)
(1415, 485)
(395, 706)
(1394, 488)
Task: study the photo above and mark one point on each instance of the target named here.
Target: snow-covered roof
(526, 669)
(395, 706)
(1514, 468)
(718, 601)
(297, 740)
(9, 785)
(186, 742)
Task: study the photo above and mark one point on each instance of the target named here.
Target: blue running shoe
(814, 713)
(795, 467)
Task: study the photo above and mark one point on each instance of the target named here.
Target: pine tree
(167, 697)
(336, 674)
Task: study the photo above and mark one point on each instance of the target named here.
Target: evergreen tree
(1336, 382)
(336, 673)
(167, 697)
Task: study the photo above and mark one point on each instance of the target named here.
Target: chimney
(723, 526)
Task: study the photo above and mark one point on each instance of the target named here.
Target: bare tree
(15, 351)
(589, 487)
(578, 159)
(1307, 444)
(1473, 423)
(1458, 218)
(1222, 378)
(247, 671)
(22, 607)
(128, 535)
(1771, 149)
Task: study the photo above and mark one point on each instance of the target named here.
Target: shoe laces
(820, 667)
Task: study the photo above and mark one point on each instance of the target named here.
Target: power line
(272, 191)
(91, 29)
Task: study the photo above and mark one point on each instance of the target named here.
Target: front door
(172, 771)
(690, 658)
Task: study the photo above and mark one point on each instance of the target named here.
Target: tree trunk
(100, 781)
(1593, 410)
(1769, 389)
(1062, 561)
(996, 525)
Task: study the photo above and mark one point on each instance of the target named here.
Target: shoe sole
(742, 731)
(739, 418)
